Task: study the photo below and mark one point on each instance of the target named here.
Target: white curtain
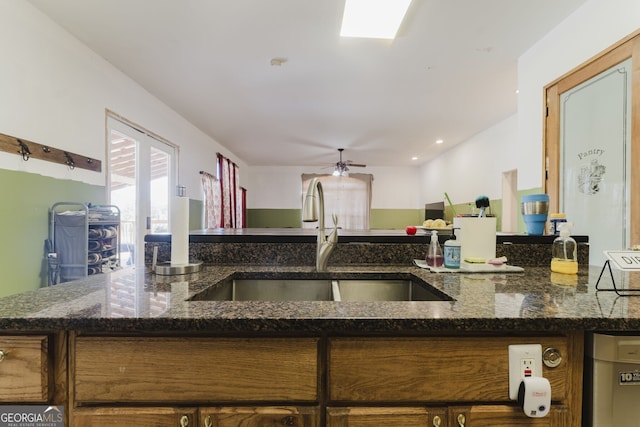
(349, 197)
(212, 200)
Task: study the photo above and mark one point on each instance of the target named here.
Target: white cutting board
(466, 267)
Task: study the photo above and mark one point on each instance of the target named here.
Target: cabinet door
(134, 417)
(386, 417)
(260, 417)
(504, 416)
(438, 369)
(184, 370)
(24, 369)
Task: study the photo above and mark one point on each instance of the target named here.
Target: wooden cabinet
(203, 417)
(430, 369)
(504, 416)
(312, 382)
(385, 417)
(135, 417)
(456, 371)
(455, 416)
(25, 369)
(260, 417)
(185, 370)
(144, 379)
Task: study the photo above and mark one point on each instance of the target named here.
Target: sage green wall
(196, 210)
(274, 218)
(380, 218)
(395, 218)
(24, 224)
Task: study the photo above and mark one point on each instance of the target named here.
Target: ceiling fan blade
(357, 165)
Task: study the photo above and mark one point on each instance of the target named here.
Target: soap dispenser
(434, 252)
(452, 251)
(564, 257)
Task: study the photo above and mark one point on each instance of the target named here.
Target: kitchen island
(134, 346)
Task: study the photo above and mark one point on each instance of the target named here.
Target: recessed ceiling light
(414, 158)
(378, 19)
(439, 141)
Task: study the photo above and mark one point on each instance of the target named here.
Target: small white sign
(625, 260)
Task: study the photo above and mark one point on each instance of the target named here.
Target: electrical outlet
(524, 361)
(527, 366)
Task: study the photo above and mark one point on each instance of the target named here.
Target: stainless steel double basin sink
(321, 290)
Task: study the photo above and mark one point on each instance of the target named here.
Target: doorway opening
(141, 174)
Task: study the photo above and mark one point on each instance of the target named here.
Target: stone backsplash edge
(532, 254)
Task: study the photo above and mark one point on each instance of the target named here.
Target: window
(349, 197)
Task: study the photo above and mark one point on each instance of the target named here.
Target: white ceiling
(450, 73)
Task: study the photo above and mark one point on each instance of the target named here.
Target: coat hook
(24, 150)
(46, 149)
(69, 161)
(90, 161)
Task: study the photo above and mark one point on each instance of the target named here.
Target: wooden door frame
(629, 47)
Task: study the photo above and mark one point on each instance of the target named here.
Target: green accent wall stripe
(274, 218)
(381, 219)
(24, 224)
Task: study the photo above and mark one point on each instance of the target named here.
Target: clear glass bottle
(434, 256)
(452, 251)
(564, 258)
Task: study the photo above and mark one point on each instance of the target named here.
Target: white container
(477, 237)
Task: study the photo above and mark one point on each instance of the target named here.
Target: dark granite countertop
(133, 300)
(309, 235)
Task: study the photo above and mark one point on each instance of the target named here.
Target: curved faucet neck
(313, 211)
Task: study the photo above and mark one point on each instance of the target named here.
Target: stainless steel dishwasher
(612, 381)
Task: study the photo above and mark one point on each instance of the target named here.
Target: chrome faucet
(312, 211)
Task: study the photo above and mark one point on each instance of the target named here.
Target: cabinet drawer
(432, 369)
(383, 417)
(506, 416)
(134, 417)
(24, 369)
(195, 369)
(260, 416)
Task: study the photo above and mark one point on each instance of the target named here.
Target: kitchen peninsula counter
(309, 235)
(297, 246)
(92, 346)
(134, 300)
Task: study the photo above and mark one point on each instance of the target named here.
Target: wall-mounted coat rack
(29, 149)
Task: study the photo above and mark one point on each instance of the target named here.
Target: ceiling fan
(342, 167)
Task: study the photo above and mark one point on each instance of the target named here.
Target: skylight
(379, 19)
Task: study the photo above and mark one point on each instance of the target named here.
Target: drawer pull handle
(461, 420)
(208, 422)
(437, 421)
(3, 354)
(184, 421)
(289, 421)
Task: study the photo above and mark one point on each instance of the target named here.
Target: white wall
(279, 187)
(594, 27)
(474, 167)
(54, 91)
(516, 143)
